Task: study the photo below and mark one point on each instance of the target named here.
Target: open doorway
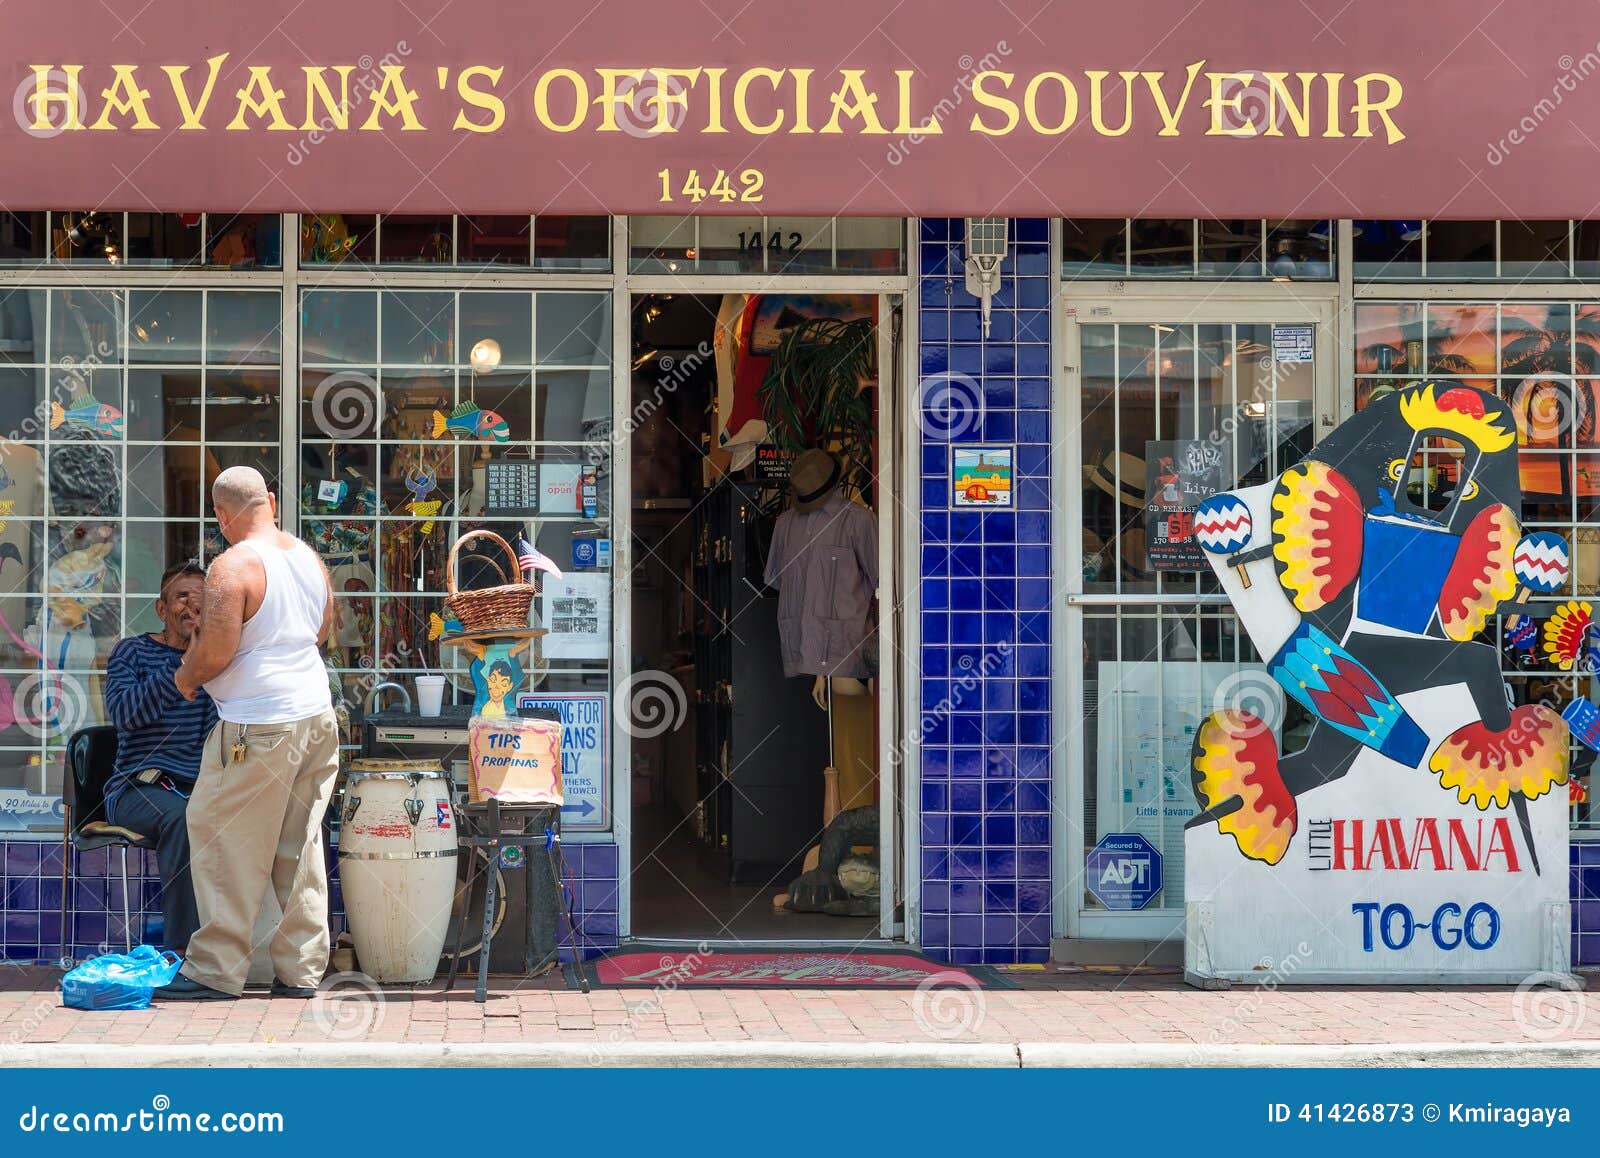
(758, 485)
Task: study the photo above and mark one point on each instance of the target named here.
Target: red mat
(783, 969)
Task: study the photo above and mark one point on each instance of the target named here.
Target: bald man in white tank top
(269, 764)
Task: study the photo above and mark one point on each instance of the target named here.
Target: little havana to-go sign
(1124, 871)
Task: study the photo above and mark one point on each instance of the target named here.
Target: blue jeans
(158, 814)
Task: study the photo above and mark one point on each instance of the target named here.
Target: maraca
(1222, 526)
(1541, 563)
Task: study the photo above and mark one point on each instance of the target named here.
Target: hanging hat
(1121, 476)
(812, 478)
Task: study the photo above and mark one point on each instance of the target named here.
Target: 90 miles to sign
(716, 185)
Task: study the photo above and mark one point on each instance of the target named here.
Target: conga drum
(397, 867)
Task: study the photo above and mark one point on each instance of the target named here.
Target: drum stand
(492, 828)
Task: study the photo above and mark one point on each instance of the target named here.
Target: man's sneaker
(182, 988)
(303, 992)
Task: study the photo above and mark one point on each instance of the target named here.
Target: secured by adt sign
(1124, 871)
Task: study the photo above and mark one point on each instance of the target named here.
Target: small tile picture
(980, 476)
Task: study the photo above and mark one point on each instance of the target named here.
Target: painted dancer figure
(1363, 574)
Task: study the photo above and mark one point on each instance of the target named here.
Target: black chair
(91, 755)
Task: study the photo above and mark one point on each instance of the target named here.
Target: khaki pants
(257, 820)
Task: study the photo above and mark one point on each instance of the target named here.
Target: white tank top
(277, 675)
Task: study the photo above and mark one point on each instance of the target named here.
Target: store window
(1170, 410)
(409, 399)
(773, 245)
(1520, 251)
(1542, 359)
(1196, 249)
(550, 243)
(117, 408)
(97, 238)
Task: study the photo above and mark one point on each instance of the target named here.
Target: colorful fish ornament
(87, 410)
(440, 626)
(473, 421)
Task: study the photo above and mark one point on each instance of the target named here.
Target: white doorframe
(1105, 304)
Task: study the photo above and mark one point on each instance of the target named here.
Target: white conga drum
(397, 868)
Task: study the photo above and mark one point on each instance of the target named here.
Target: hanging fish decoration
(422, 482)
(426, 511)
(87, 410)
(469, 419)
(440, 626)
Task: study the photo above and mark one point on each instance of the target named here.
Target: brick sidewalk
(1046, 1007)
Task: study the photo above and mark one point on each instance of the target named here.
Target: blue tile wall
(985, 664)
(1585, 891)
(30, 886)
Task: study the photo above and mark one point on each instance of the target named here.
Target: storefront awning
(1164, 108)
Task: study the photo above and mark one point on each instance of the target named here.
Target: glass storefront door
(1167, 401)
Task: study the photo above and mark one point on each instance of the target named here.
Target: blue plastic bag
(119, 980)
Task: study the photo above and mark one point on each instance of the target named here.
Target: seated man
(160, 736)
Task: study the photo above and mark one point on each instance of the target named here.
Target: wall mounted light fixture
(986, 249)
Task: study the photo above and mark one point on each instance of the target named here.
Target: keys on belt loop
(241, 745)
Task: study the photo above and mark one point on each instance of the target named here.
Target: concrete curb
(1381, 1056)
(714, 1055)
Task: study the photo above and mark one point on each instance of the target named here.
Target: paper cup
(430, 695)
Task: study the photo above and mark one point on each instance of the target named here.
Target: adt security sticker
(1123, 871)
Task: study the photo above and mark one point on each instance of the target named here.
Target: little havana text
(1424, 843)
(1203, 99)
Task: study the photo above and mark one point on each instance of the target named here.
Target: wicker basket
(501, 609)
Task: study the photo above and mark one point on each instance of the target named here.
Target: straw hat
(1121, 468)
(812, 478)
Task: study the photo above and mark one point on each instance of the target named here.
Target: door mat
(716, 968)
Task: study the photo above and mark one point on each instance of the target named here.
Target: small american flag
(531, 559)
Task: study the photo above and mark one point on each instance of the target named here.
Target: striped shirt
(156, 726)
